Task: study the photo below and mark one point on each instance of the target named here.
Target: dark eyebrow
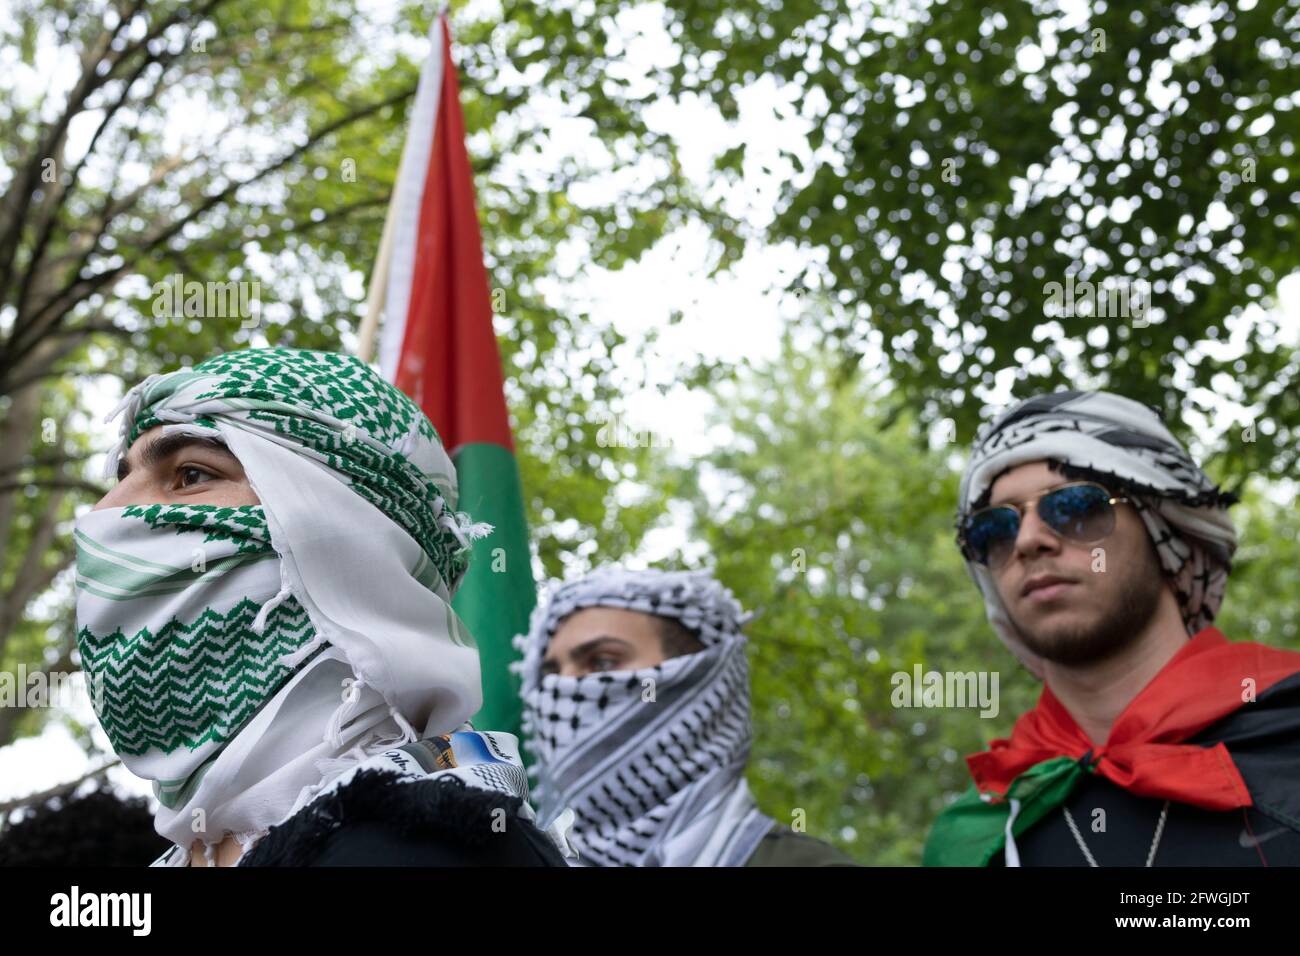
(586, 647)
(165, 446)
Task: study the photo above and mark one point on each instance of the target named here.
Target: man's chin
(1072, 639)
(1083, 626)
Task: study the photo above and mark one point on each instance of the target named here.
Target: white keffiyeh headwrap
(650, 762)
(250, 655)
(1126, 446)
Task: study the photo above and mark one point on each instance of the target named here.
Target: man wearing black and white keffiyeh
(636, 712)
(1103, 550)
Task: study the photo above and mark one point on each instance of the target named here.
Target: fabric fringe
(409, 736)
(377, 742)
(130, 403)
(282, 595)
(174, 416)
(459, 524)
(294, 658)
(351, 701)
(474, 529)
(129, 409)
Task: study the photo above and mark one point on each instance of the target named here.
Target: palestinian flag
(438, 346)
(1211, 730)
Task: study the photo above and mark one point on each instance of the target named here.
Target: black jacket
(1263, 738)
(380, 819)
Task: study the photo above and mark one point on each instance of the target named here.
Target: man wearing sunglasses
(1102, 551)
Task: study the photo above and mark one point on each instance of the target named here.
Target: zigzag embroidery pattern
(191, 684)
(245, 525)
(385, 480)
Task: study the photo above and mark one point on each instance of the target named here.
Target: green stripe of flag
(498, 594)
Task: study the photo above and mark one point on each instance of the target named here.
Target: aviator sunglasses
(1083, 512)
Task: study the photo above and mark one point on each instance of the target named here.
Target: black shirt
(1191, 836)
(1263, 738)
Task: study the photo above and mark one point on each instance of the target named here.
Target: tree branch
(19, 195)
(15, 440)
(74, 484)
(53, 215)
(62, 302)
(34, 575)
(44, 462)
(37, 798)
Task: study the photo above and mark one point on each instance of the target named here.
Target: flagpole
(378, 290)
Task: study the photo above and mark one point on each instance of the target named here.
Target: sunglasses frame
(1022, 505)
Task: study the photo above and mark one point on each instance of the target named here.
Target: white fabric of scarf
(163, 613)
(400, 664)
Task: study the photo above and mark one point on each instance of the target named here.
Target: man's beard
(1118, 628)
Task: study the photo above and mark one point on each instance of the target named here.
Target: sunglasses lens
(1078, 512)
(991, 535)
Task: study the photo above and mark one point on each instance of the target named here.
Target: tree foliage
(963, 155)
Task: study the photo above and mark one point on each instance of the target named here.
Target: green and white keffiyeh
(249, 655)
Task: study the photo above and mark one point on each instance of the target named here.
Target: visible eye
(604, 662)
(193, 475)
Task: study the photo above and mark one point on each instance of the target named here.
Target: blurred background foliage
(837, 526)
(957, 158)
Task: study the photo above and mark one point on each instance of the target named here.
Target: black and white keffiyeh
(1125, 445)
(650, 762)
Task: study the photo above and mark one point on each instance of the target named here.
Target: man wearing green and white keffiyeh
(264, 598)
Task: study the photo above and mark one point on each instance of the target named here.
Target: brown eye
(191, 475)
(604, 662)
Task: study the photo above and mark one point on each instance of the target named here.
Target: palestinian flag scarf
(1150, 751)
